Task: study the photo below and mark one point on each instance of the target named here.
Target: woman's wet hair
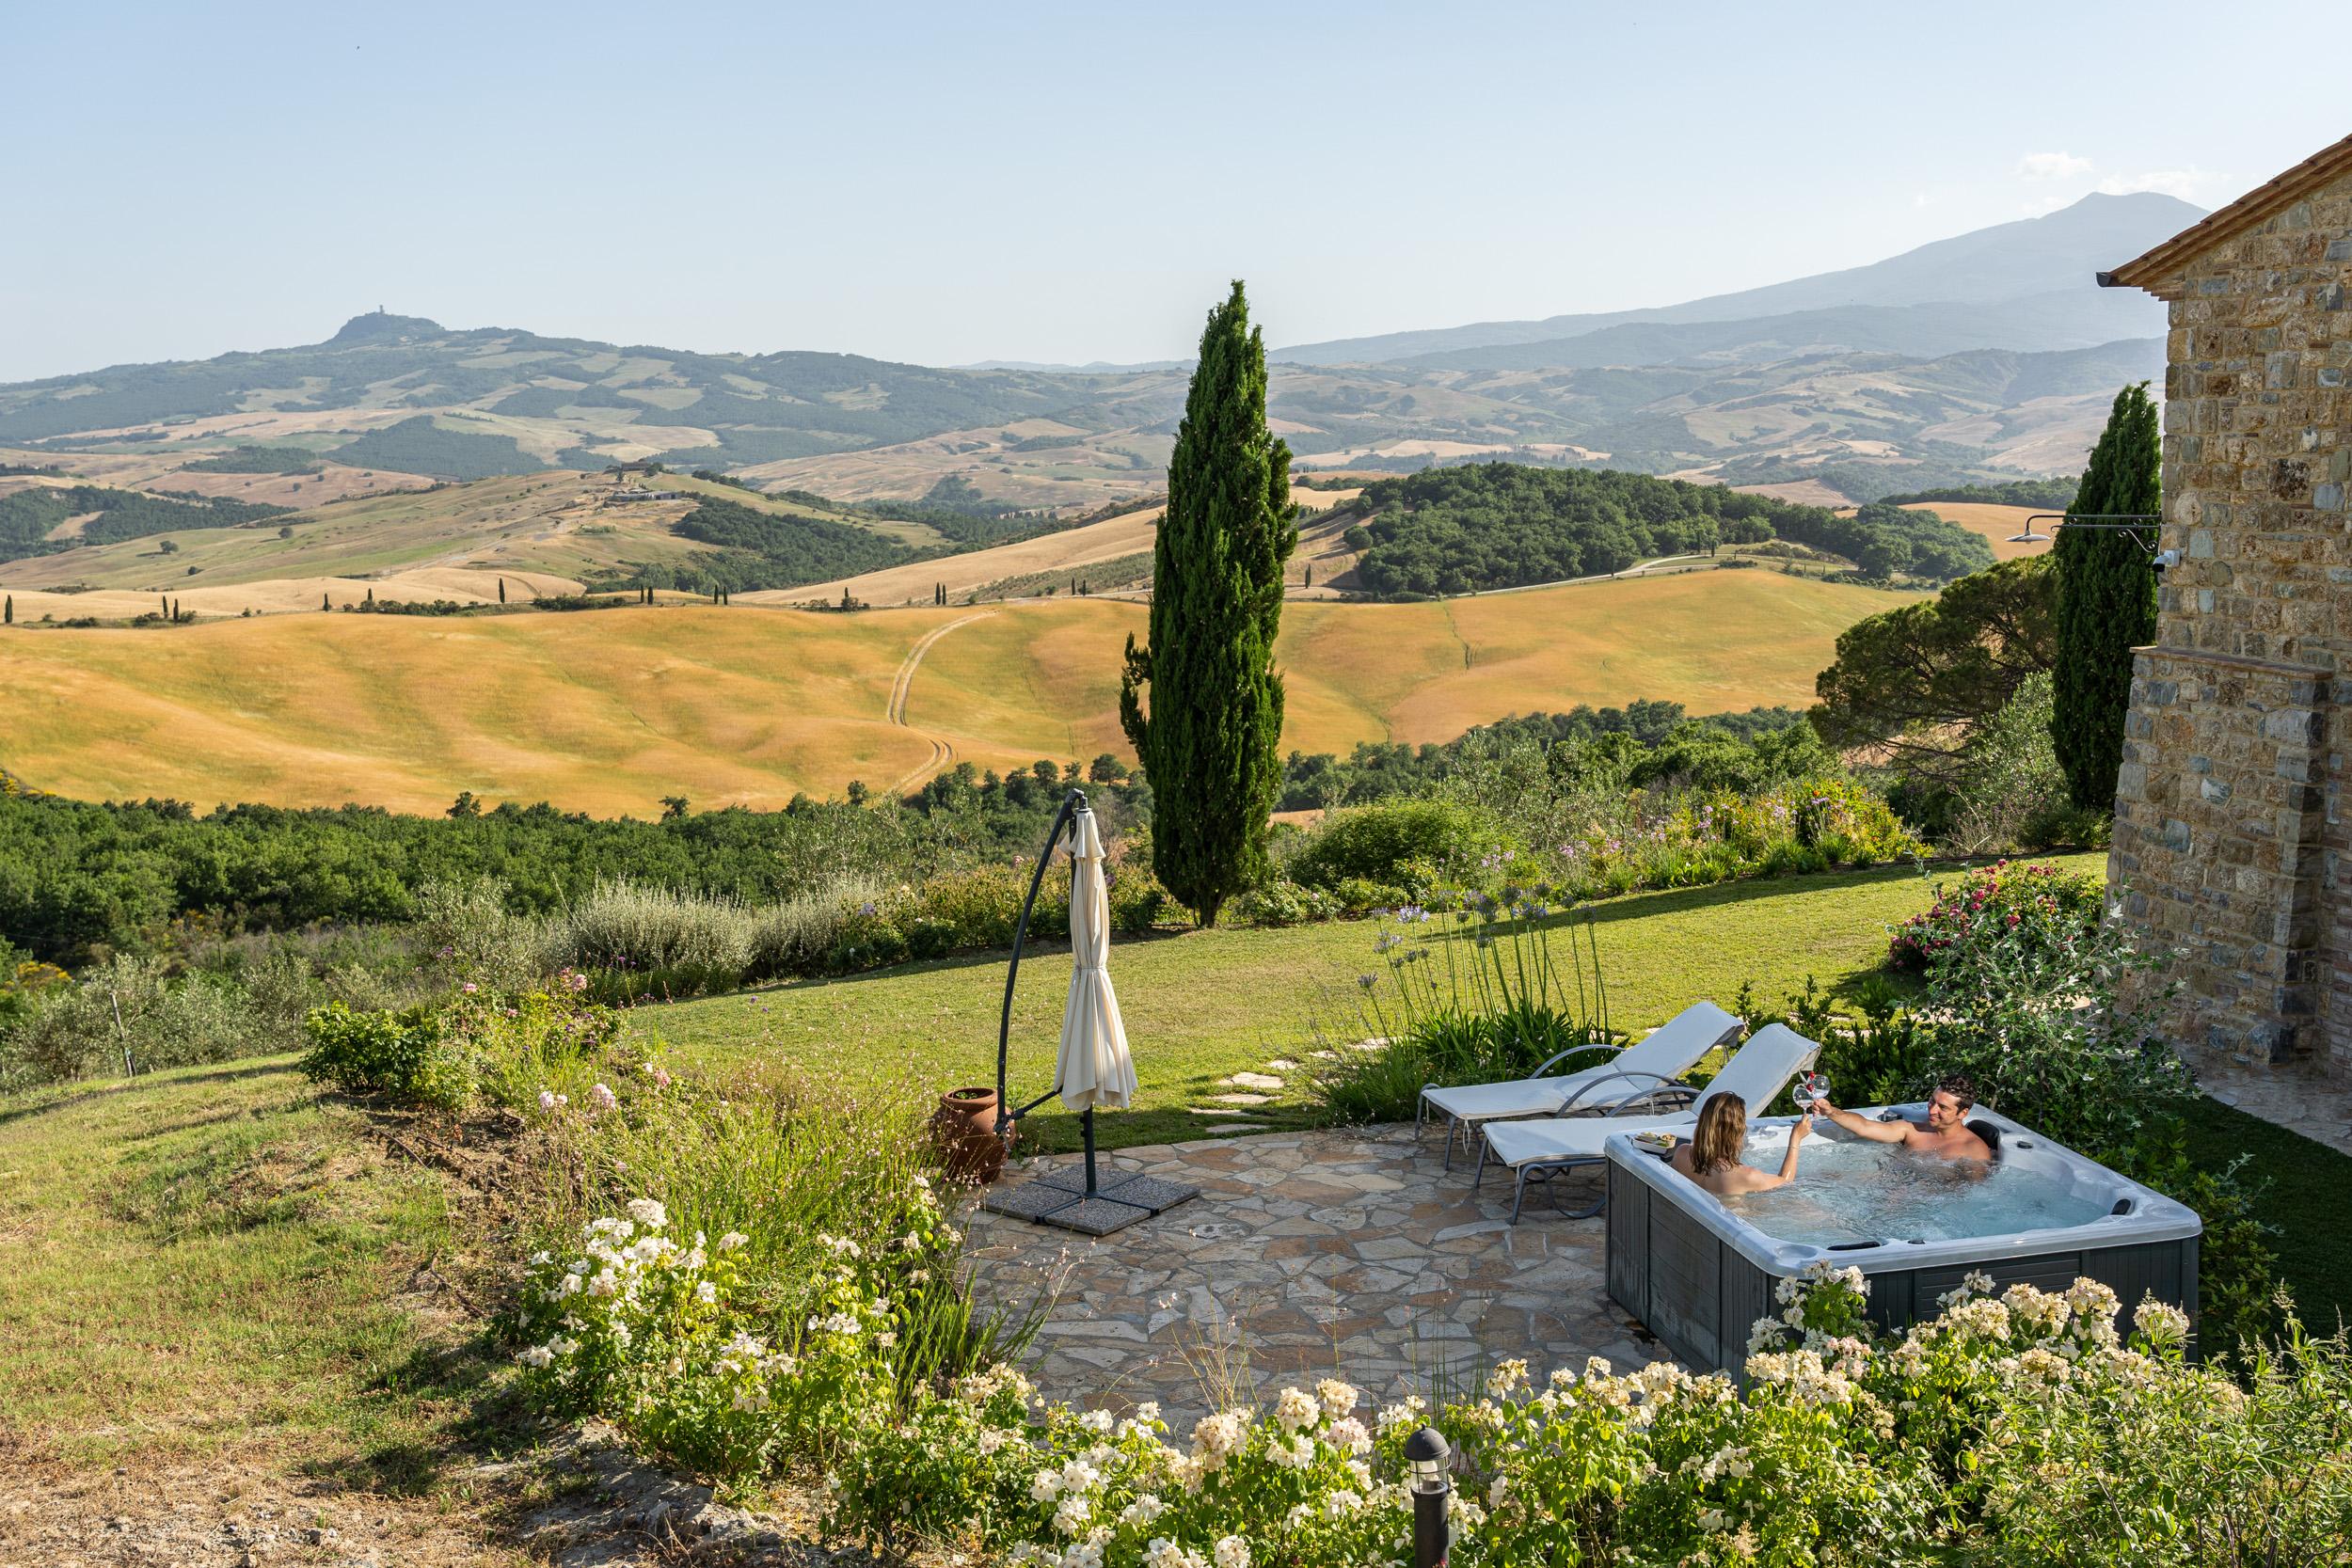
(1722, 1129)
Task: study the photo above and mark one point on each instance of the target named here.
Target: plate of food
(1656, 1142)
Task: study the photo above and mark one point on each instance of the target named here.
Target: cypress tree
(2107, 600)
(502, 590)
(326, 603)
(163, 603)
(7, 615)
(1209, 743)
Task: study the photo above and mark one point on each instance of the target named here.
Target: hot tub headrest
(1990, 1133)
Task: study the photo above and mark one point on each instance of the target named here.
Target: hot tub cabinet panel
(1698, 1276)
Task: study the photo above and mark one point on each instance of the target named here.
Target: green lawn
(213, 1261)
(2305, 1186)
(1206, 1004)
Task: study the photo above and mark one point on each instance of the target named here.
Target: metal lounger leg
(1480, 1179)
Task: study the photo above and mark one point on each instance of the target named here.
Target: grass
(609, 712)
(2303, 1197)
(1203, 1005)
(213, 1261)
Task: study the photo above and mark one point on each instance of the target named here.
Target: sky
(1062, 184)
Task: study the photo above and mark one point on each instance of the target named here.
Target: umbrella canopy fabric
(1094, 1067)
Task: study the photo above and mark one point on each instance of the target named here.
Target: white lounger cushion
(1756, 1072)
(1668, 1051)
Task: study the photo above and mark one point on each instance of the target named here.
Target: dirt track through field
(943, 752)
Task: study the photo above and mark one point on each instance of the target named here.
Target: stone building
(2234, 825)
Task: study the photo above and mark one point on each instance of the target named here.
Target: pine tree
(1210, 744)
(2107, 599)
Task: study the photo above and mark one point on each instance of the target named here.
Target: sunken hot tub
(1699, 1270)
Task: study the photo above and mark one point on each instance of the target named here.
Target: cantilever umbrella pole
(1005, 1116)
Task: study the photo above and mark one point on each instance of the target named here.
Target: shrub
(1396, 842)
(368, 1053)
(126, 1016)
(2046, 911)
(509, 1048)
(651, 930)
(469, 935)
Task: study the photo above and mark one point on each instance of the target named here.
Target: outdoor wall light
(1429, 1460)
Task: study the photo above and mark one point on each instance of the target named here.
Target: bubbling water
(1850, 1190)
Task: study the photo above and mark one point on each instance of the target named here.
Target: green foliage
(27, 516)
(2011, 794)
(424, 445)
(373, 1052)
(1887, 541)
(126, 1014)
(757, 548)
(1919, 681)
(1401, 844)
(1210, 745)
(2107, 598)
(2025, 987)
(2044, 495)
(258, 460)
(1377, 770)
(2047, 914)
(1500, 525)
(78, 877)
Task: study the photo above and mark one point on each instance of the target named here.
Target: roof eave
(2159, 271)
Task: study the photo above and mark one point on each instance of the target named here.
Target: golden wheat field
(608, 711)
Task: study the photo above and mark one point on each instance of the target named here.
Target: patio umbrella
(1094, 1067)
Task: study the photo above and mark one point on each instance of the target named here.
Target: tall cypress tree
(1210, 744)
(2107, 599)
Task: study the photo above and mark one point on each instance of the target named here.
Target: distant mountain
(1984, 356)
(2048, 259)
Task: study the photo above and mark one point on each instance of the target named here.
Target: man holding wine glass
(1945, 1135)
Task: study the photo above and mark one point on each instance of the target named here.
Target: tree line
(1484, 526)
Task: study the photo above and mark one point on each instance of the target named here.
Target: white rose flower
(1233, 1552)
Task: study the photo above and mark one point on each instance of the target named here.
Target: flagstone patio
(1306, 1253)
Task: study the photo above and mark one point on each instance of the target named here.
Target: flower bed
(2020, 1418)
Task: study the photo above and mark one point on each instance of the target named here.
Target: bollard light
(1429, 1462)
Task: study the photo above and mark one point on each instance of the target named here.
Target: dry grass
(1995, 523)
(610, 711)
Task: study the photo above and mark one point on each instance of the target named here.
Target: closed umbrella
(1094, 1067)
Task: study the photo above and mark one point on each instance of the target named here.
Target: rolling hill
(1985, 354)
(608, 712)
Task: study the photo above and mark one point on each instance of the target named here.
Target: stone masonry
(2232, 828)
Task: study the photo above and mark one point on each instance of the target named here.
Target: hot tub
(1699, 1271)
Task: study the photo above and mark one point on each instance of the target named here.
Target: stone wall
(2232, 838)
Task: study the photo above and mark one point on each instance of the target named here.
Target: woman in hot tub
(1711, 1158)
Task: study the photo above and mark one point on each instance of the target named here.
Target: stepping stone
(1282, 1063)
(1211, 1111)
(1253, 1081)
(1241, 1098)
(1233, 1127)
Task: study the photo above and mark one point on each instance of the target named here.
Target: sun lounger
(1540, 1149)
(1662, 1055)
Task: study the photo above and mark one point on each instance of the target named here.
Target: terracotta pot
(963, 1130)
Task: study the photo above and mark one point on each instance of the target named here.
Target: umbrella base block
(1095, 1216)
(1059, 1198)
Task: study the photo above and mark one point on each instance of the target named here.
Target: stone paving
(2298, 1101)
(1306, 1253)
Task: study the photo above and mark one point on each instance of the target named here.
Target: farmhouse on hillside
(2232, 821)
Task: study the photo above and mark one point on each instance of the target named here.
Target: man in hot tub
(1944, 1134)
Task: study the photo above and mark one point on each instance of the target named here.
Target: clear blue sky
(945, 183)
